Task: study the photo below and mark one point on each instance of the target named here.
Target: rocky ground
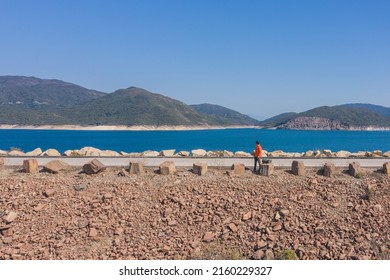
(186, 216)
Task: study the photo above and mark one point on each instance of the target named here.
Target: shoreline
(120, 127)
(162, 127)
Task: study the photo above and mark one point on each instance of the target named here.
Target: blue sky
(256, 57)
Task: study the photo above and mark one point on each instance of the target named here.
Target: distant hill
(224, 115)
(375, 108)
(336, 117)
(278, 120)
(136, 106)
(36, 93)
(33, 101)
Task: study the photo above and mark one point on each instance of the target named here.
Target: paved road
(214, 162)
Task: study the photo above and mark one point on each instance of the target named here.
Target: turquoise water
(224, 139)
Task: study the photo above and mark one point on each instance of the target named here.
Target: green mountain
(33, 101)
(224, 115)
(375, 108)
(136, 106)
(278, 120)
(336, 117)
(36, 93)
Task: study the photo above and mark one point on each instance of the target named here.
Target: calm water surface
(220, 139)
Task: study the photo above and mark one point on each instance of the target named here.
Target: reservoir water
(216, 139)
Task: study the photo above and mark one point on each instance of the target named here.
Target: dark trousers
(257, 160)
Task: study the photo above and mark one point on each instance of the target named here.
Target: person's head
(257, 142)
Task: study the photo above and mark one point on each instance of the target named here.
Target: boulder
(150, 154)
(354, 169)
(308, 154)
(167, 168)
(136, 168)
(109, 153)
(198, 153)
(3, 153)
(89, 152)
(30, 165)
(51, 153)
(34, 153)
(242, 154)
(167, 153)
(16, 153)
(327, 153)
(277, 153)
(71, 153)
(358, 154)
(183, 154)
(134, 154)
(237, 169)
(55, 166)
(329, 169)
(376, 153)
(93, 167)
(343, 154)
(199, 168)
(266, 169)
(298, 168)
(122, 153)
(214, 154)
(386, 154)
(1, 163)
(227, 153)
(386, 168)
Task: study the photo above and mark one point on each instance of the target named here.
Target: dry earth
(186, 216)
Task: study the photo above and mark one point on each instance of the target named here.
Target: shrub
(369, 192)
(359, 175)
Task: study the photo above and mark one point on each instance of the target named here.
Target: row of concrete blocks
(354, 169)
(95, 166)
(200, 168)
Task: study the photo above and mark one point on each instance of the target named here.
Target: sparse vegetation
(287, 254)
(369, 192)
(217, 251)
(359, 175)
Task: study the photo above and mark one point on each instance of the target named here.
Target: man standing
(257, 154)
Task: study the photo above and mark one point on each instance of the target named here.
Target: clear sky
(257, 57)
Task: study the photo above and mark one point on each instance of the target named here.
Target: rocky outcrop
(309, 123)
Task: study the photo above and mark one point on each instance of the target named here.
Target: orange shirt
(258, 151)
